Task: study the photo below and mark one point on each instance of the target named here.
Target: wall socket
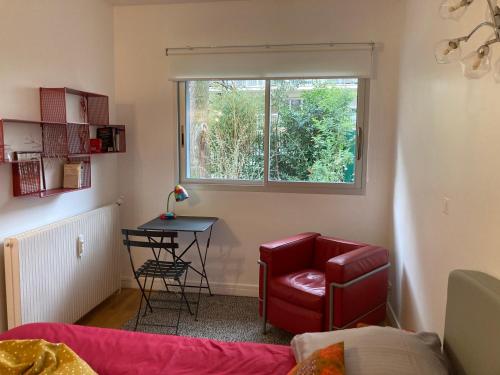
(446, 205)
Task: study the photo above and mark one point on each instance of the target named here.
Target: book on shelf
(116, 139)
(73, 175)
(111, 139)
(106, 136)
(34, 158)
(95, 145)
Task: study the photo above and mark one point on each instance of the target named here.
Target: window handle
(359, 139)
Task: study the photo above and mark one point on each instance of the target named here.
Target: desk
(194, 224)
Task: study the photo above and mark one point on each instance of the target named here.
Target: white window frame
(266, 185)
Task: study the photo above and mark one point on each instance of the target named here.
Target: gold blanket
(33, 357)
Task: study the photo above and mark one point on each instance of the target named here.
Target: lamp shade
(180, 193)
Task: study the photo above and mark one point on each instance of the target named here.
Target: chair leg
(143, 297)
(138, 315)
(147, 298)
(143, 293)
(198, 301)
(182, 298)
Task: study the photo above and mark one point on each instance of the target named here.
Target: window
(314, 141)
(224, 138)
(287, 134)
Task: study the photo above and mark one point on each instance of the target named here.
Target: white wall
(52, 43)
(447, 146)
(146, 101)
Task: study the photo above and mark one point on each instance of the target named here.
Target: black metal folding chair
(157, 269)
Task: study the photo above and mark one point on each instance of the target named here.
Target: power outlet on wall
(446, 205)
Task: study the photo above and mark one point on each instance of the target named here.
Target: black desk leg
(203, 260)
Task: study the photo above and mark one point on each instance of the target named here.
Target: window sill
(276, 187)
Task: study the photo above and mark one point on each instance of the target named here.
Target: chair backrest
(149, 238)
(329, 247)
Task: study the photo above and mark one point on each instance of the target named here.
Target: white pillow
(378, 350)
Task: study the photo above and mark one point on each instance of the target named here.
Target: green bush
(312, 140)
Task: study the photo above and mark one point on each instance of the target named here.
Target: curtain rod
(228, 48)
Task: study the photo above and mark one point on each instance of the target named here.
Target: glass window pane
(225, 130)
(313, 130)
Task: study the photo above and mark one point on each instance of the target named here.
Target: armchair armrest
(280, 257)
(290, 254)
(349, 266)
(355, 285)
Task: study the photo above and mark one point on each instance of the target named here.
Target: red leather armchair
(312, 283)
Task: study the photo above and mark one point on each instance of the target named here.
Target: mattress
(110, 351)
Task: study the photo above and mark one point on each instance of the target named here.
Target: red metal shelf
(79, 155)
(52, 192)
(107, 125)
(78, 138)
(26, 178)
(61, 138)
(81, 93)
(55, 141)
(33, 122)
(109, 152)
(78, 123)
(20, 161)
(53, 104)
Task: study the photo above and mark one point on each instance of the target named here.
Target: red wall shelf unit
(69, 118)
(26, 177)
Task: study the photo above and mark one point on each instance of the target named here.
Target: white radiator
(47, 280)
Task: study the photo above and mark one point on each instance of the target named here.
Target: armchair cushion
(330, 247)
(304, 288)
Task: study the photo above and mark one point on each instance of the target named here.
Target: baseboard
(227, 289)
(393, 319)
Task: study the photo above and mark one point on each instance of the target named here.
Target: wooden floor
(113, 312)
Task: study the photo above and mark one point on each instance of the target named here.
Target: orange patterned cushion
(326, 361)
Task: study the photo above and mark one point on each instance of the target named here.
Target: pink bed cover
(110, 351)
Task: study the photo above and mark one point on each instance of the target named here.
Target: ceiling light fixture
(477, 63)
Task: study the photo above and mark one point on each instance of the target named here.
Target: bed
(472, 338)
(110, 351)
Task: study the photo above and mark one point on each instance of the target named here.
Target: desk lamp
(180, 195)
